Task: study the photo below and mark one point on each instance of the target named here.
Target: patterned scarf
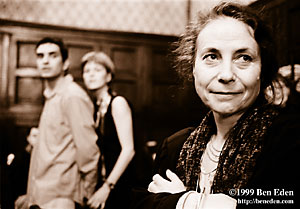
(241, 149)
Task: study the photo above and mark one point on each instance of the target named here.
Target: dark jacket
(275, 176)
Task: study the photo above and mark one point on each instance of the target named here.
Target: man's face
(49, 61)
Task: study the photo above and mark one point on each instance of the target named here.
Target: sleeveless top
(110, 148)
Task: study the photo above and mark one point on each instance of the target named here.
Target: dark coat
(276, 168)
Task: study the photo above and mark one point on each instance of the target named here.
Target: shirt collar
(49, 93)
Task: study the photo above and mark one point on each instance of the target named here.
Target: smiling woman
(242, 140)
(227, 66)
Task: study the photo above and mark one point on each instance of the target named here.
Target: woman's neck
(101, 93)
(224, 124)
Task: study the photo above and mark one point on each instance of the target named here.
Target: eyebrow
(50, 53)
(242, 50)
(204, 51)
(211, 50)
(216, 50)
(247, 50)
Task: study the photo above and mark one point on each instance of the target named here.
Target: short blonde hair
(101, 58)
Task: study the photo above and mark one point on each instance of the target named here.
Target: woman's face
(227, 66)
(95, 75)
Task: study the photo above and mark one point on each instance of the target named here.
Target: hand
(21, 202)
(159, 184)
(219, 200)
(33, 136)
(99, 197)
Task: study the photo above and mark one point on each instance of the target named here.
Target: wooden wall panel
(5, 39)
(162, 71)
(135, 57)
(164, 82)
(125, 60)
(127, 89)
(29, 91)
(126, 79)
(2, 74)
(75, 54)
(26, 54)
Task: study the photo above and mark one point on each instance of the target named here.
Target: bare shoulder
(120, 104)
(119, 100)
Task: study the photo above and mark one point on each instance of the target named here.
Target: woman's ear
(108, 78)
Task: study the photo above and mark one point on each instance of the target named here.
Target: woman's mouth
(225, 92)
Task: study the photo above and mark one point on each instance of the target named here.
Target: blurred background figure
(63, 163)
(291, 72)
(32, 138)
(286, 89)
(291, 75)
(280, 93)
(114, 126)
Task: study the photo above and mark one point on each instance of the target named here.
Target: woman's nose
(226, 74)
(91, 74)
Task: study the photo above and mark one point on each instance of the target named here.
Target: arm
(171, 185)
(123, 120)
(79, 113)
(121, 113)
(166, 158)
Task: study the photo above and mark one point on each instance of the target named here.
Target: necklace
(215, 149)
(103, 105)
(205, 178)
(211, 154)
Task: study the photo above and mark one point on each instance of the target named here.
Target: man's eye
(54, 55)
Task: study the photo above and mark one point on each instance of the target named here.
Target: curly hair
(186, 46)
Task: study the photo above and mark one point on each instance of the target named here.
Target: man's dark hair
(63, 49)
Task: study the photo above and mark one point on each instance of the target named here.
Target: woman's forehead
(96, 63)
(226, 32)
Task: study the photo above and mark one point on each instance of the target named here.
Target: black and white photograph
(149, 104)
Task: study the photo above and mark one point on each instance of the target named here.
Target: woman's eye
(98, 70)
(243, 61)
(244, 58)
(210, 57)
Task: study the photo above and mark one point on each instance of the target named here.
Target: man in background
(63, 165)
